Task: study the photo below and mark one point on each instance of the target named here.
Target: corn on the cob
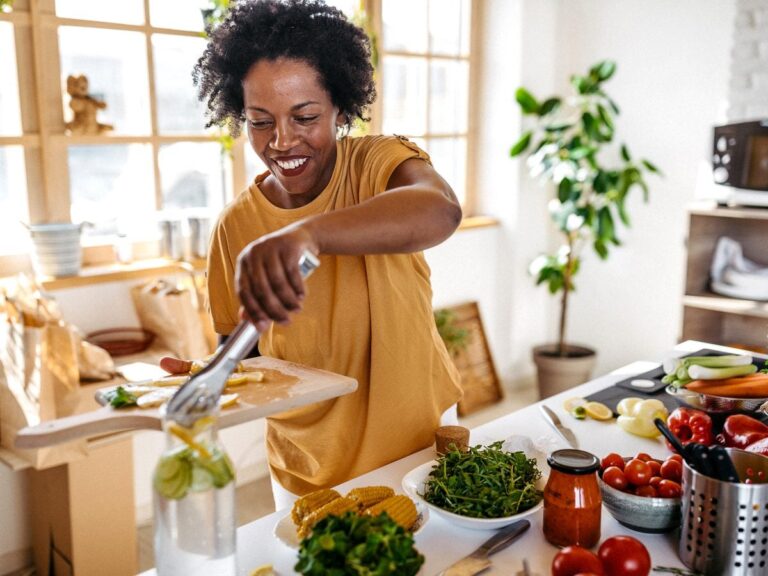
(370, 495)
(336, 507)
(308, 503)
(400, 508)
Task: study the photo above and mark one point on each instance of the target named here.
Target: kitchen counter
(442, 543)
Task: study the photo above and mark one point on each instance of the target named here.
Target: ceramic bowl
(641, 513)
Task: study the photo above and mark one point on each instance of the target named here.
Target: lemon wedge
(572, 403)
(227, 400)
(598, 411)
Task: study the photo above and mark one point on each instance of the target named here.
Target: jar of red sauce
(572, 501)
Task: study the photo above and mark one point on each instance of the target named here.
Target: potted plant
(565, 143)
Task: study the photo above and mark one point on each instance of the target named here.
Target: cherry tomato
(672, 470)
(624, 556)
(669, 489)
(643, 456)
(677, 457)
(614, 477)
(573, 560)
(655, 467)
(637, 472)
(612, 459)
(655, 481)
(646, 491)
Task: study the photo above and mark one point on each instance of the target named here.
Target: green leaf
(600, 248)
(604, 70)
(588, 121)
(622, 210)
(600, 183)
(605, 116)
(521, 144)
(549, 105)
(605, 225)
(582, 152)
(614, 107)
(564, 189)
(527, 102)
(651, 167)
(559, 127)
(625, 153)
(582, 84)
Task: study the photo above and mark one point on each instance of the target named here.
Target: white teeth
(290, 164)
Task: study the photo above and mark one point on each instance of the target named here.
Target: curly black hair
(306, 30)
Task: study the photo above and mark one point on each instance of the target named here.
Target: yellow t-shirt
(367, 317)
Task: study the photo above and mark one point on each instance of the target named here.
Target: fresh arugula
(484, 482)
(358, 545)
(120, 398)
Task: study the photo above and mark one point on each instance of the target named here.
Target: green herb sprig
(484, 482)
(358, 545)
(120, 398)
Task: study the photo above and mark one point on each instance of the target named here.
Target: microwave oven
(740, 161)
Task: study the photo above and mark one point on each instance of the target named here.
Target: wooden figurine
(84, 108)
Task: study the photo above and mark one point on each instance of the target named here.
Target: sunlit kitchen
(361, 287)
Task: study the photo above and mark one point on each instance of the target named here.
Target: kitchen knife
(566, 433)
(478, 560)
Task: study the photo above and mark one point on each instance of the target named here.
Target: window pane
(10, 112)
(115, 64)
(192, 175)
(449, 157)
(123, 11)
(349, 7)
(449, 87)
(178, 109)
(405, 25)
(13, 199)
(405, 101)
(449, 22)
(112, 187)
(178, 14)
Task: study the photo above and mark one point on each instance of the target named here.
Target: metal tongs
(200, 395)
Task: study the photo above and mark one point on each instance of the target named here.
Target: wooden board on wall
(478, 374)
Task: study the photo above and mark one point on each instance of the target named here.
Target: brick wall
(748, 87)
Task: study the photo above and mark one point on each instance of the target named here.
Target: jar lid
(572, 461)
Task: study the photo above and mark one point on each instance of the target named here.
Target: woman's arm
(417, 210)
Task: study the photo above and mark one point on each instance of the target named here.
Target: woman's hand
(267, 277)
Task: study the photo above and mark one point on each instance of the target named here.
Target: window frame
(45, 142)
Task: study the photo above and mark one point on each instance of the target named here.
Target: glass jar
(194, 503)
(572, 501)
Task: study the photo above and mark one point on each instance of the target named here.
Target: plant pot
(560, 373)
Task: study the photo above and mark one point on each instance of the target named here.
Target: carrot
(751, 386)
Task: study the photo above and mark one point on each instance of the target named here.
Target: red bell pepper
(745, 432)
(691, 425)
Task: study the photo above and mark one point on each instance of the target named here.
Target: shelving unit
(712, 317)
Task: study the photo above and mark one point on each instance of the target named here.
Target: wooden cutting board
(286, 385)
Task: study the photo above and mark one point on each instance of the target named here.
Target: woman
(298, 74)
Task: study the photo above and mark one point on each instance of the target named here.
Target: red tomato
(612, 459)
(672, 470)
(646, 491)
(655, 481)
(638, 472)
(614, 477)
(643, 456)
(624, 556)
(669, 489)
(573, 560)
(676, 457)
(655, 467)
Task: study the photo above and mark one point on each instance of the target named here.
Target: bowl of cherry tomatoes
(641, 492)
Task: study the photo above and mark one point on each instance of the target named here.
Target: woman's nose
(284, 137)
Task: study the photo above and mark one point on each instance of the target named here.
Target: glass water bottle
(194, 503)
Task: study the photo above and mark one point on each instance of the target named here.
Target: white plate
(413, 485)
(285, 529)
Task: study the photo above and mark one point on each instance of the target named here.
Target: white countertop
(442, 543)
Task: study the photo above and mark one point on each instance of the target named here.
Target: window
(138, 56)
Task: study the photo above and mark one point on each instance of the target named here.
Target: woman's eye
(307, 119)
(260, 124)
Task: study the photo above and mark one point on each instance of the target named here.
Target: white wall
(671, 84)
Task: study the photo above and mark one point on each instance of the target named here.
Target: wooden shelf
(712, 317)
(118, 272)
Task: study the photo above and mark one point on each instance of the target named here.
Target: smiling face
(292, 126)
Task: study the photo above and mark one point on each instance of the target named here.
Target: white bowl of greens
(484, 488)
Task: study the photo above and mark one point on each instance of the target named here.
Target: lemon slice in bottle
(598, 411)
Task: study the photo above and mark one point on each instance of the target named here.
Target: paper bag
(39, 379)
(172, 314)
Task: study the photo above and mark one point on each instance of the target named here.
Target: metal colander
(724, 527)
